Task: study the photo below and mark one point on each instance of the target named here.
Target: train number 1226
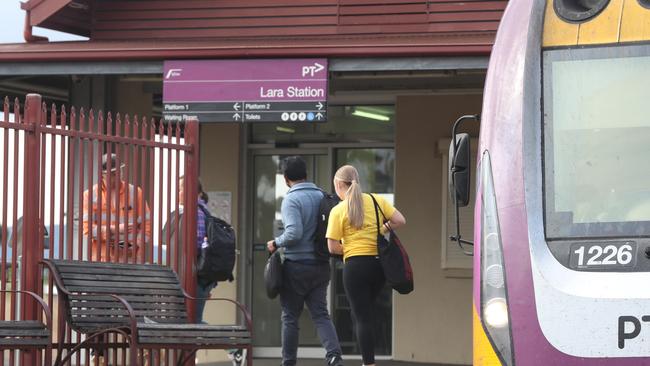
(602, 255)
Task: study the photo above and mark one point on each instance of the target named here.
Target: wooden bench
(143, 302)
(28, 334)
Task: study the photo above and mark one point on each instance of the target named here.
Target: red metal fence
(56, 167)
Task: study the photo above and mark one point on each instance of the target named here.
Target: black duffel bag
(273, 275)
(393, 257)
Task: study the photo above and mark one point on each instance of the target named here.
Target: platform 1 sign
(274, 90)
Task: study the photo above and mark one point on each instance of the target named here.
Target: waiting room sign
(274, 90)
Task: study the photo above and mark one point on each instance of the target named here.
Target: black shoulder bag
(393, 257)
(273, 275)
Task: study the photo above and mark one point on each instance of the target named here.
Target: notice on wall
(270, 90)
(220, 205)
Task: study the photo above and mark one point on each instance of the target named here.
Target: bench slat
(79, 299)
(190, 326)
(99, 277)
(120, 284)
(198, 341)
(15, 332)
(105, 265)
(119, 291)
(24, 341)
(109, 312)
(135, 305)
(157, 271)
(192, 334)
(24, 324)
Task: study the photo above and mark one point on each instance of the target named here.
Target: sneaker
(237, 356)
(335, 361)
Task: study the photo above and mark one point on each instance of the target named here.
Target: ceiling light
(370, 115)
(285, 129)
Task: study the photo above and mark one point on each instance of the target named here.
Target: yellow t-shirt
(357, 241)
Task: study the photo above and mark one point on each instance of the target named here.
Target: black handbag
(273, 275)
(393, 257)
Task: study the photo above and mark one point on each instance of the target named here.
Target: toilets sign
(280, 90)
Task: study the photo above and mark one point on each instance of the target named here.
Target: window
(596, 133)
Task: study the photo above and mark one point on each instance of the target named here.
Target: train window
(596, 142)
(645, 3)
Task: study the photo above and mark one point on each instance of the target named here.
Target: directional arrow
(319, 67)
(236, 106)
(236, 116)
(319, 116)
(319, 106)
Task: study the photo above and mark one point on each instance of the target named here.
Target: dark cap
(111, 161)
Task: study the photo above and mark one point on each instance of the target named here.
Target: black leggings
(363, 280)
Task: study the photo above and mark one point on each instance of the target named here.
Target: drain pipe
(27, 32)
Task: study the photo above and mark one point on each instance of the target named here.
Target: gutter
(27, 32)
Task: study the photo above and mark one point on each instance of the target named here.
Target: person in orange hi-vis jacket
(119, 218)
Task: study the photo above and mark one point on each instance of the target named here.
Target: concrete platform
(276, 362)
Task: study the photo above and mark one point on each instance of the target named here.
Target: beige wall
(219, 171)
(432, 324)
(131, 98)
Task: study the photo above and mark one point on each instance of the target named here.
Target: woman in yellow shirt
(352, 231)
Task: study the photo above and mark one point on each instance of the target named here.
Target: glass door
(376, 169)
(268, 191)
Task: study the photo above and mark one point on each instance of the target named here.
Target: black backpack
(217, 261)
(321, 251)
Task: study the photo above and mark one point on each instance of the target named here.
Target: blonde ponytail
(355, 205)
(354, 195)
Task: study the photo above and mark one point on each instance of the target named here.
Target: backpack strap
(205, 210)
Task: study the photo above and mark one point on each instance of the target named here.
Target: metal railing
(55, 202)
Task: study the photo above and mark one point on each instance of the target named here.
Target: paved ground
(276, 362)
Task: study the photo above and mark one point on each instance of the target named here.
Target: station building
(399, 72)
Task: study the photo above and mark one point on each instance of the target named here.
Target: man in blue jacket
(305, 279)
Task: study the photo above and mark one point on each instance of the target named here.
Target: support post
(190, 203)
(32, 226)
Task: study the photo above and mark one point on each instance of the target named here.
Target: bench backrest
(153, 291)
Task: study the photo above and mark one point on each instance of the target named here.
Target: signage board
(273, 90)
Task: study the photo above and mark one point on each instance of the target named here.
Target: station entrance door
(266, 192)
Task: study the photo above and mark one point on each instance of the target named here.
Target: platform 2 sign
(278, 90)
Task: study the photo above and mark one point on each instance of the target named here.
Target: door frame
(250, 151)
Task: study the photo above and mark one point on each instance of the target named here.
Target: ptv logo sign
(311, 70)
(629, 327)
(173, 72)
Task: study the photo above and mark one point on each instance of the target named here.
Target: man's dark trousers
(305, 283)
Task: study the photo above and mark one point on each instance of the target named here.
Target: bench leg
(133, 353)
(59, 348)
(249, 355)
(48, 354)
(68, 357)
(182, 359)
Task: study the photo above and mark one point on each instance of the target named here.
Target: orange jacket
(122, 226)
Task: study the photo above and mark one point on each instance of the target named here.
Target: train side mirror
(459, 169)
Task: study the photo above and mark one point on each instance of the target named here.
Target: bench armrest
(46, 308)
(240, 306)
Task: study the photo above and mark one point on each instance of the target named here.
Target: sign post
(279, 90)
